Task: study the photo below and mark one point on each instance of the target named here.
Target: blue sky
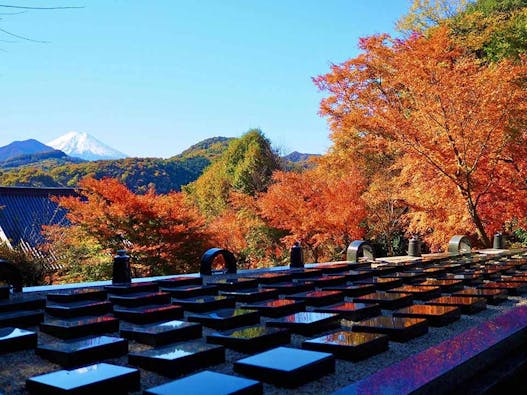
(152, 77)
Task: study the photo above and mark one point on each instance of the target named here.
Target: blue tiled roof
(24, 210)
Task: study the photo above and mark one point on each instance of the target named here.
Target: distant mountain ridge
(84, 146)
(53, 168)
(25, 147)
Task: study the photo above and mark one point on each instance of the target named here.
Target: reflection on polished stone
(191, 291)
(233, 284)
(467, 278)
(389, 301)
(226, 318)
(512, 288)
(277, 307)
(147, 286)
(252, 294)
(161, 333)
(306, 323)
(205, 303)
(18, 302)
(492, 296)
(251, 339)
(22, 318)
(79, 352)
(176, 359)
(446, 285)
(349, 345)
(334, 267)
(78, 308)
(76, 294)
(271, 277)
(400, 329)
(407, 277)
(381, 283)
(353, 290)
(289, 288)
(358, 274)
(71, 328)
(14, 339)
(101, 378)
(468, 305)
(208, 382)
(435, 315)
(324, 281)
(286, 367)
(419, 292)
(304, 272)
(148, 314)
(352, 311)
(140, 298)
(318, 298)
(180, 281)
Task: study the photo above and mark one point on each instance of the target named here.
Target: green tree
(245, 167)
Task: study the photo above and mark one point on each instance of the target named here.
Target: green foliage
(211, 148)
(245, 167)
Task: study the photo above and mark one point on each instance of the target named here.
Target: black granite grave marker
(76, 294)
(252, 295)
(191, 291)
(306, 323)
(353, 346)
(180, 281)
(352, 311)
(468, 305)
(234, 284)
(23, 318)
(251, 339)
(208, 382)
(387, 300)
(400, 329)
(80, 327)
(226, 318)
(117, 289)
(100, 378)
(286, 367)
(14, 339)
(435, 315)
(205, 303)
(72, 353)
(78, 308)
(176, 359)
(318, 298)
(161, 333)
(148, 314)
(277, 307)
(140, 298)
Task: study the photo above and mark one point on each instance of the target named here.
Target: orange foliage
(317, 208)
(242, 231)
(456, 125)
(162, 232)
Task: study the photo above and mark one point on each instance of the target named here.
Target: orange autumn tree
(317, 208)
(240, 229)
(162, 233)
(456, 124)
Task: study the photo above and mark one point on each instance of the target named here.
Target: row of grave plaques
(348, 311)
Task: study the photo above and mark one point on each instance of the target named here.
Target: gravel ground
(15, 367)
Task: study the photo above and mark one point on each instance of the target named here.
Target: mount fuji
(84, 146)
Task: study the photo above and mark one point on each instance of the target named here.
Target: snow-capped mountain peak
(84, 146)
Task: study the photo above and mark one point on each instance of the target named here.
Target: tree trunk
(480, 229)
